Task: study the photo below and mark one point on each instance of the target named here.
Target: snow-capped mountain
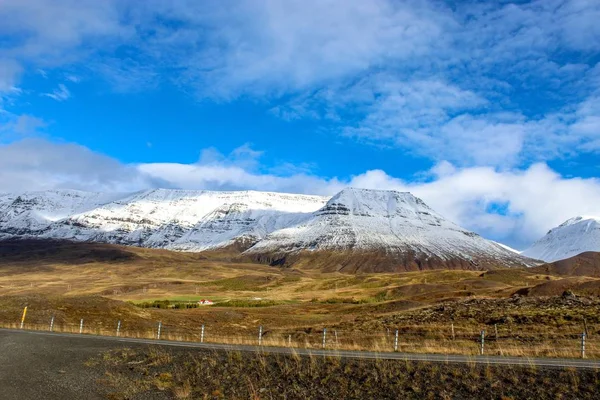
(268, 226)
(33, 212)
(388, 222)
(573, 237)
(161, 218)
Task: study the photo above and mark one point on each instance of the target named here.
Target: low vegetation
(523, 312)
(164, 374)
(167, 304)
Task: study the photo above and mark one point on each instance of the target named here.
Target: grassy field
(523, 312)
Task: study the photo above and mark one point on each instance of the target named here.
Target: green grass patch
(167, 304)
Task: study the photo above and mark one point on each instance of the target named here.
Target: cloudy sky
(489, 111)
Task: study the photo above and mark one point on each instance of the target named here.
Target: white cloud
(224, 177)
(533, 200)
(61, 93)
(418, 75)
(243, 156)
(28, 124)
(52, 34)
(37, 164)
(10, 70)
(272, 47)
(13, 127)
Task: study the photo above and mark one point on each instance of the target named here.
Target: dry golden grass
(336, 340)
(138, 274)
(363, 309)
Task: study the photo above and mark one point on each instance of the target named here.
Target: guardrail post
(158, 332)
(118, 328)
(202, 334)
(52, 323)
(324, 336)
(260, 335)
(81, 326)
(396, 341)
(583, 345)
(23, 317)
(482, 342)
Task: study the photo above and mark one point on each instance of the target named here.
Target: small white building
(205, 302)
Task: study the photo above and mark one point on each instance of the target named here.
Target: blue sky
(489, 111)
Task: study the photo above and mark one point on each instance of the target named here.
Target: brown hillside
(577, 285)
(50, 251)
(373, 262)
(584, 264)
(44, 252)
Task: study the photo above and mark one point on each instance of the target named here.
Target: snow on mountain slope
(573, 237)
(34, 211)
(507, 247)
(386, 221)
(395, 224)
(176, 219)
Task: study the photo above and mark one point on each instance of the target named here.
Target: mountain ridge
(571, 238)
(396, 228)
(393, 226)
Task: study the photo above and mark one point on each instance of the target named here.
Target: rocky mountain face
(574, 236)
(356, 230)
(395, 231)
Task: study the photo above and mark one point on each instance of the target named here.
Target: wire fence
(498, 339)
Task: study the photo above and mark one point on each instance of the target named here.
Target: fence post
(453, 336)
(202, 334)
(289, 340)
(496, 330)
(158, 332)
(51, 323)
(336, 338)
(583, 345)
(81, 326)
(260, 335)
(324, 336)
(482, 341)
(396, 341)
(119, 328)
(23, 317)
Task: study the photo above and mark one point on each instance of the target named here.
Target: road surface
(105, 341)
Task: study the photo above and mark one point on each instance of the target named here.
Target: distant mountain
(172, 219)
(575, 236)
(394, 230)
(33, 212)
(356, 230)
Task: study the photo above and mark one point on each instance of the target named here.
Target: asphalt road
(92, 342)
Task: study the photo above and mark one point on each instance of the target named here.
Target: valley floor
(523, 312)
